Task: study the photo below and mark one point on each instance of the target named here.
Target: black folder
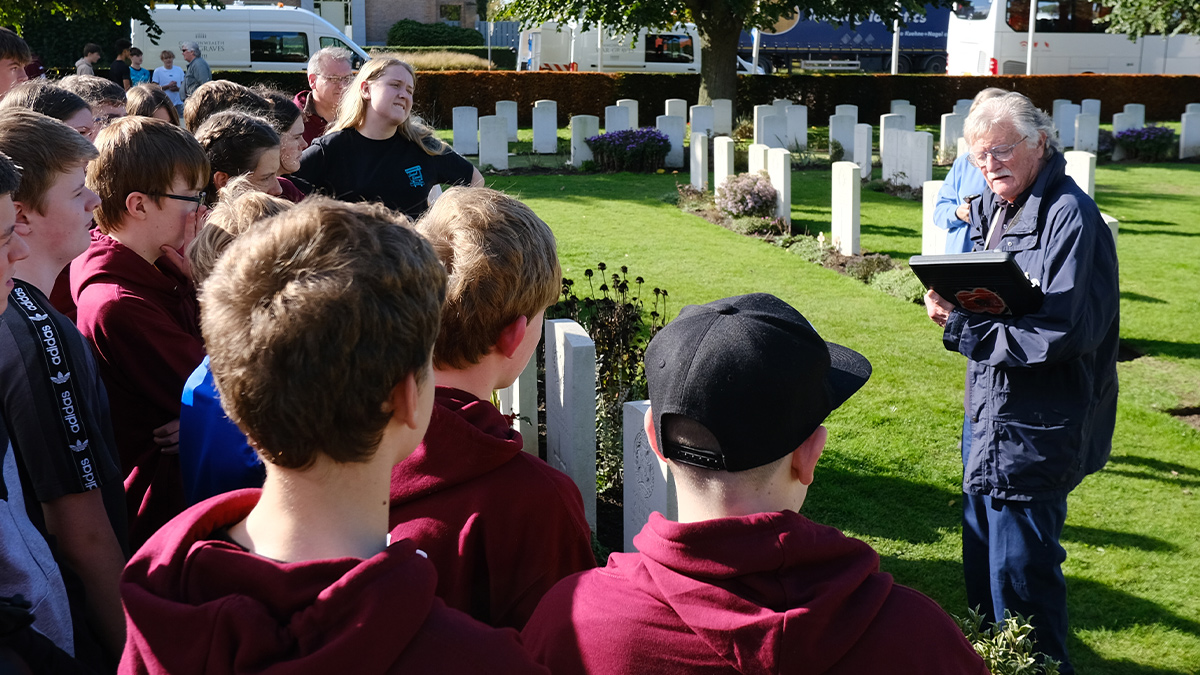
(984, 282)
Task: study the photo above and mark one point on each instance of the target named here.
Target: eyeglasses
(198, 199)
(337, 80)
(101, 121)
(1000, 153)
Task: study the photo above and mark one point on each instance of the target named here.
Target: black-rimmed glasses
(198, 199)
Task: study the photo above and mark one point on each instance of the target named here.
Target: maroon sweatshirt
(767, 593)
(314, 124)
(198, 604)
(501, 526)
(142, 322)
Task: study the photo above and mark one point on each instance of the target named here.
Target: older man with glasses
(197, 72)
(330, 72)
(1041, 394)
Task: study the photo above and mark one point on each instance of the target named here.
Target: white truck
(553, 46)
(244, 37)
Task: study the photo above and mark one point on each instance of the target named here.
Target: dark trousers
(1012, 561)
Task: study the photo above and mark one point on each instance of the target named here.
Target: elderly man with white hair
(1041, 393)
(330, 71)
(197, 72)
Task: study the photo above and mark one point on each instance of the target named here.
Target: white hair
(324, 57)
(1019, 113)
(191, 47)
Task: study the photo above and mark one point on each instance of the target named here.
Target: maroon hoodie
(767, 593)
(142, 322)
(501, 526)
(314, 124)
(197, 604)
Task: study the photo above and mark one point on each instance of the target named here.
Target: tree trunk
(718, 61)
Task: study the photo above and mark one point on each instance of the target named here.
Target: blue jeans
(1012, 561)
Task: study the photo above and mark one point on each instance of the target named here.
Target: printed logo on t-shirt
(415, 179)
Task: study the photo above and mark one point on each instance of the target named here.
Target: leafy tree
(1164, 17)
(720, 23)
(56, 30)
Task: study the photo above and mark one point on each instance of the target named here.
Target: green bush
(759, 225)
(409, 33)
(1006, 647)
(868, 266)
(900, 283)
(809, 249)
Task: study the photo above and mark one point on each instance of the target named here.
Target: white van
(548, 48)
(244, 37)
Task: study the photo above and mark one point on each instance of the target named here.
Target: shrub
(1104, 142)
(836, 152)
(1150, 143)
(743, 130)
(409, 33)
(639, 150)
(691, 198)
(808, 248)
(900, 283)
(759, 225)
(503, 58)
(425, 61)
(1006, 647)
(747, 194)
(868, 266)
(614, 316)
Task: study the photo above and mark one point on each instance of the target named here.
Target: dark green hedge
(409, 33)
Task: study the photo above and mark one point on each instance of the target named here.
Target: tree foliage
(720, 22)
(1162, 17)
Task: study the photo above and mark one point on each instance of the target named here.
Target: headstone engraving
(649, 485)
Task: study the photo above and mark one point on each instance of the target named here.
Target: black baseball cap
(754, 373)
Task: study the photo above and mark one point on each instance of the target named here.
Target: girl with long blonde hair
(377, 150)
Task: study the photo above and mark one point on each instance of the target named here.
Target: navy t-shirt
(119, 72)
(396, 172)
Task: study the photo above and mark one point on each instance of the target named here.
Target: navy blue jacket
(1042, 387)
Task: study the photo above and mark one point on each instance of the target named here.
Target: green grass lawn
(891, 473)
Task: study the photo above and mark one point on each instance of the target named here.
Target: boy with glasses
(136, 302)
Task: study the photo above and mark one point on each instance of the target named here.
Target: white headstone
(1189, 136)
(723, 152)
(699, 148)
(1087, 132)
(649, 485)
(797, 127)
(722, 116)
(493, 142)
(910, 115)
(571, 406)
(781, 104)
(757, 157)
(1058, 103)
(545, 127)
(1113, 225)
(898, 103)
(1138, 113)
(1081, 166)
(847, 109)
(632, 104)
(676, 107)
(1192, 108)
(841, 129)
(963, 107)
(1121, 122)
(888, 125)
(1065, 123)
(762, 112)
(703, 120)
(774, 131)
(779, 168)
(582, 128)
(520, 400)
(616, 118)
(909, 158)
(847, 195)
(508, 110)
(963, 148)
(952, 130)
(674, 127)
(466, 130)
(933, 238)
(863, 146)
(1090, 106)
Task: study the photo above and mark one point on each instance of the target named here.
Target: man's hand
(937, 308)
(963, 212)
(167, 438)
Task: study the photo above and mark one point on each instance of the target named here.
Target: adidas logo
(39, 317)
(60, 378)
(79, 446)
